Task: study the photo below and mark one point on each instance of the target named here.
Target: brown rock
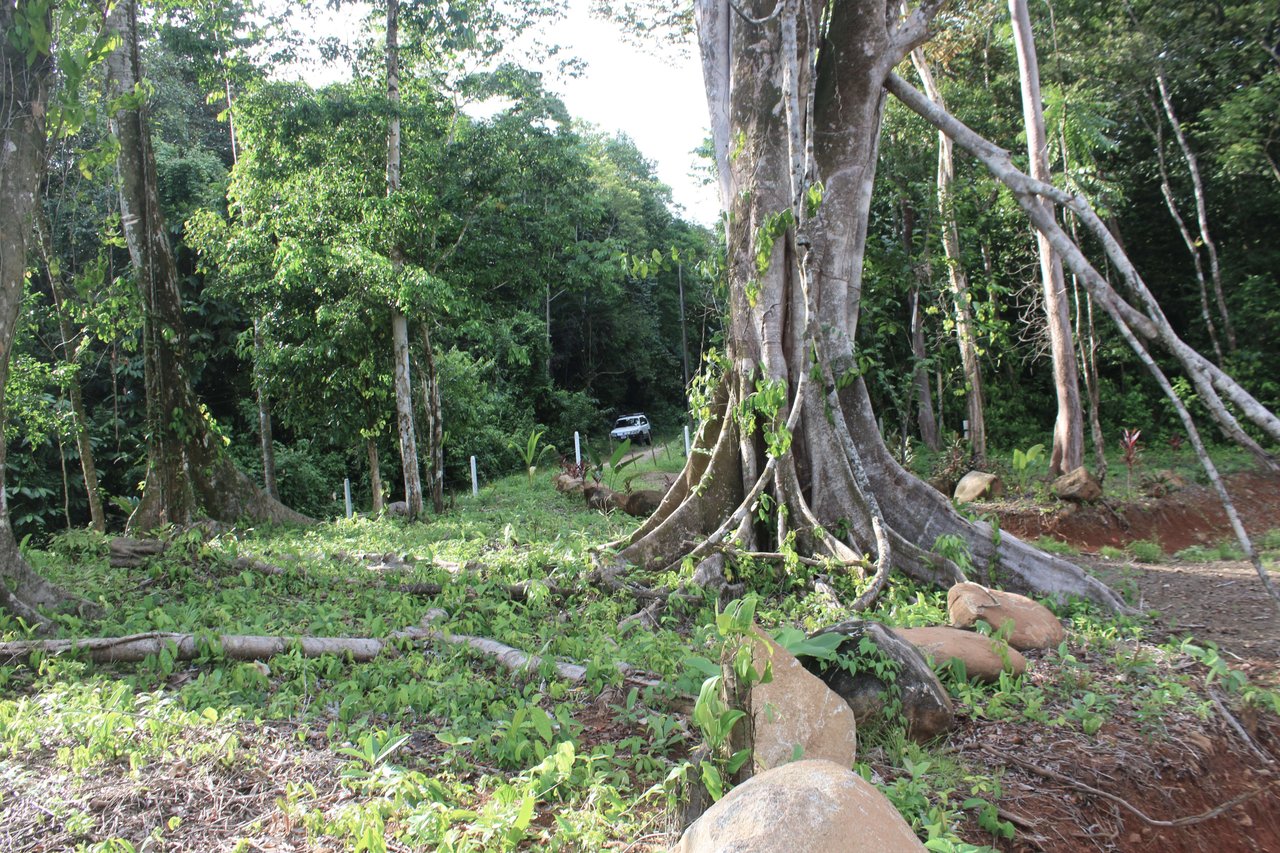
(600, 497)
(1034, 626)
(568, 483)
(796, 715)
(926, 707)
(802, 807)
(642, 504)
(978, 486)
(1078, 485)
(983, 657)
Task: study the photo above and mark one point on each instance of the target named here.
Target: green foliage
(1024, 462)
(1146, 551)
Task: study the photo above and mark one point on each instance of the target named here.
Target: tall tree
(795, 93)
(966, 332)
(1068, 430)
(791, 454)
(399, 322)
(189, 474)
(26, 71)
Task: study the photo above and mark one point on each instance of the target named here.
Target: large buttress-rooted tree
(189, 473)
(796, 95)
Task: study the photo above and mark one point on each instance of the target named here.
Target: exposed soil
(1222, 601)
(1215, 775)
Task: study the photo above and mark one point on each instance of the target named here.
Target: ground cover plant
(435, 745)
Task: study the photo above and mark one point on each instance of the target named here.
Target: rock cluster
(804, 796)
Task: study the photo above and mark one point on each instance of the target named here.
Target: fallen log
(136, 647)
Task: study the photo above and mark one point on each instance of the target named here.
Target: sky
(653, 95)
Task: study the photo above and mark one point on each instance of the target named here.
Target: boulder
(983, 657)
(600, 497)
(397, 509)
(925, 705)
(1034, 625)
(978, 486)
(801, 807)
(1078, 486)
(796, 715)
(566, 482)
(643, 503)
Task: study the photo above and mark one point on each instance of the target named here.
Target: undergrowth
(437, 747)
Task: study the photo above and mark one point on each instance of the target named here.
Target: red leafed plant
(1129, 441)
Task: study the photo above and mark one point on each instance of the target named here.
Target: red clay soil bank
(1191, 515)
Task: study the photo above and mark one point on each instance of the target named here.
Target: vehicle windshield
(626, 422)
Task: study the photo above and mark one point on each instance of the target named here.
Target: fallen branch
(137, 647)
(1237, 728)
(1046, 773)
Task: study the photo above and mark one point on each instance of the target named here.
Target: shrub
(1146, 551)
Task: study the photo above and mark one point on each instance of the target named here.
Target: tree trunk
(1202, 214)
(189, 475)
(925, 420)
(71, 355)
(265, 438)
(22, 157)
(399, 323)
(375, 474)
(434, 426)
(1215, 387)
(796, 131)
(1068, 431)
(966, 335)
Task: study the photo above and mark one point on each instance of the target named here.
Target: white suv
(634, 427)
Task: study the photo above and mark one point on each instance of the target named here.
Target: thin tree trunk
(399, 323)
(189, 474)
(1202, 214)
(434, 426)
(25, 82)
(71, 355)
(265, 437)
(925, 420)
(1166, 189)
(1214, 385)
(966, 334)
(1068, 432)
(375, 474)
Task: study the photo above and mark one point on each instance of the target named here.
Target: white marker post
(966, 430)
(686, 439)
(475, 482)
(577, 449)
(346, 490)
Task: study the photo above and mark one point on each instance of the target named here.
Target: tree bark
(1068, 431)
(433, 429)
(22, 157)
(796, 94)
(375, 474)
(966, 334)
(189, 475)
(399, 323)
(265, 438)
